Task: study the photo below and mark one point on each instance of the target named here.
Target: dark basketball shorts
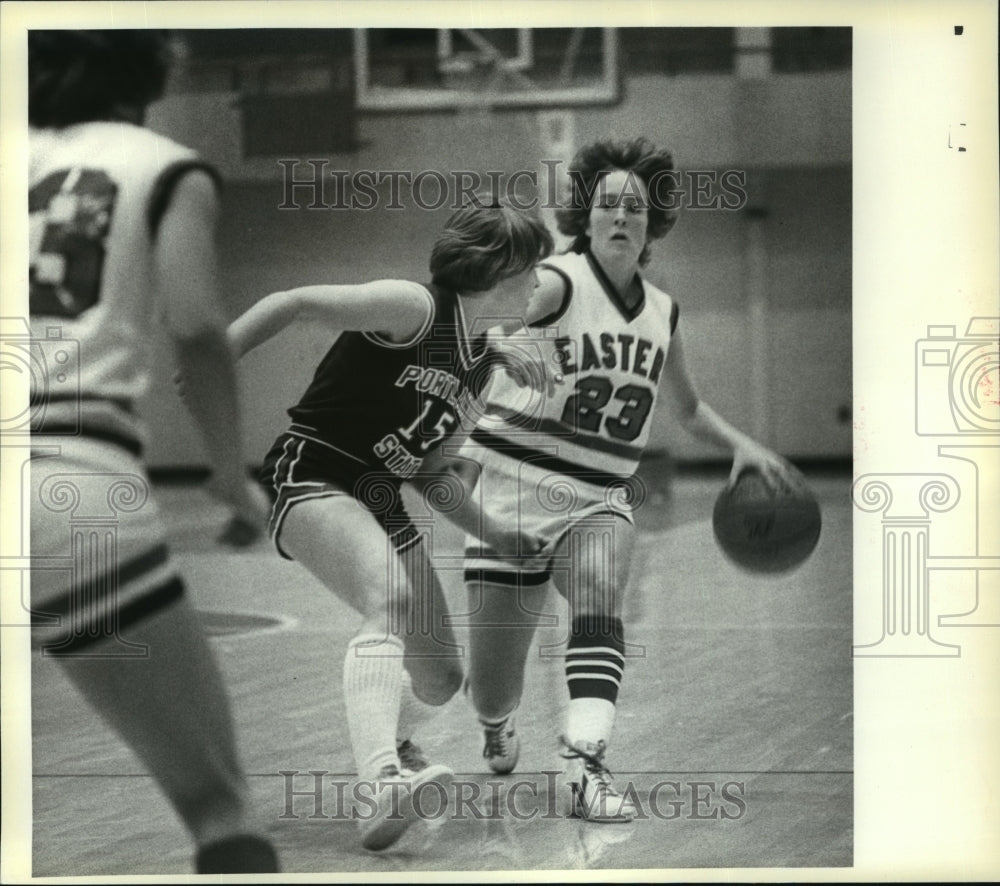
(301, 467)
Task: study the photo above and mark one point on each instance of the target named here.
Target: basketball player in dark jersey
(122, 231)
(402, 378)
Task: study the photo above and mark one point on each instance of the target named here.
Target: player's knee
(452, 678)
(440, 687)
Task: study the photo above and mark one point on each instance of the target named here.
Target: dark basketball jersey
(388, 404)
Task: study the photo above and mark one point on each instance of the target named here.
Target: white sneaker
(594, 796)
(393, 795)
(502, 746)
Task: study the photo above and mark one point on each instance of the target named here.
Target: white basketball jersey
(97, 191)
(606, 361)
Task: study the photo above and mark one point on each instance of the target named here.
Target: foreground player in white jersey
(559, 464)
(122, 231)
(402, 376)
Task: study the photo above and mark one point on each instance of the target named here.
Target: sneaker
(242, 854)
(411, 757)
(502, 746)
(393, 794)
(594, 796)
(393, 811)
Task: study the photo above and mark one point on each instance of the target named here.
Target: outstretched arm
(703, 422)
(396, 308)
(186, 279)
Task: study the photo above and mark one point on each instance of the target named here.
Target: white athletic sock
(372, 683)
(413, 713)
(590, 720)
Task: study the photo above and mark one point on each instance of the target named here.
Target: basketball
(763, 531)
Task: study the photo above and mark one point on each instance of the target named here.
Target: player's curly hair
(79, 76)
(483, 242)
(591, 163)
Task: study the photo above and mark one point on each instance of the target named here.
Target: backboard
(419, 69)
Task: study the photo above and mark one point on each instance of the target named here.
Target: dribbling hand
(778, 473)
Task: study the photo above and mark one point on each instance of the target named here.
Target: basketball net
(557, 136)
(477, 81)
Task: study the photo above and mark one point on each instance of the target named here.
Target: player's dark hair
(79, 76)
(592, 162)
(483, 243)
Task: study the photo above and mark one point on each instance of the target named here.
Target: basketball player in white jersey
(559, 463)
(121, 235)
(402, 376)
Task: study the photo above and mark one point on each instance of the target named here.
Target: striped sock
(372, 686)
(595, 664)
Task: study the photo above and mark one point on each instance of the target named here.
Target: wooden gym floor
(739, 708)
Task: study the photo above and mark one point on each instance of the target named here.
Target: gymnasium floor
(739, 709)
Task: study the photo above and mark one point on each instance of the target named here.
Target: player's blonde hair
(482, 243)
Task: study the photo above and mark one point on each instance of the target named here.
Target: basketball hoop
(479, 71)
(475, 80)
